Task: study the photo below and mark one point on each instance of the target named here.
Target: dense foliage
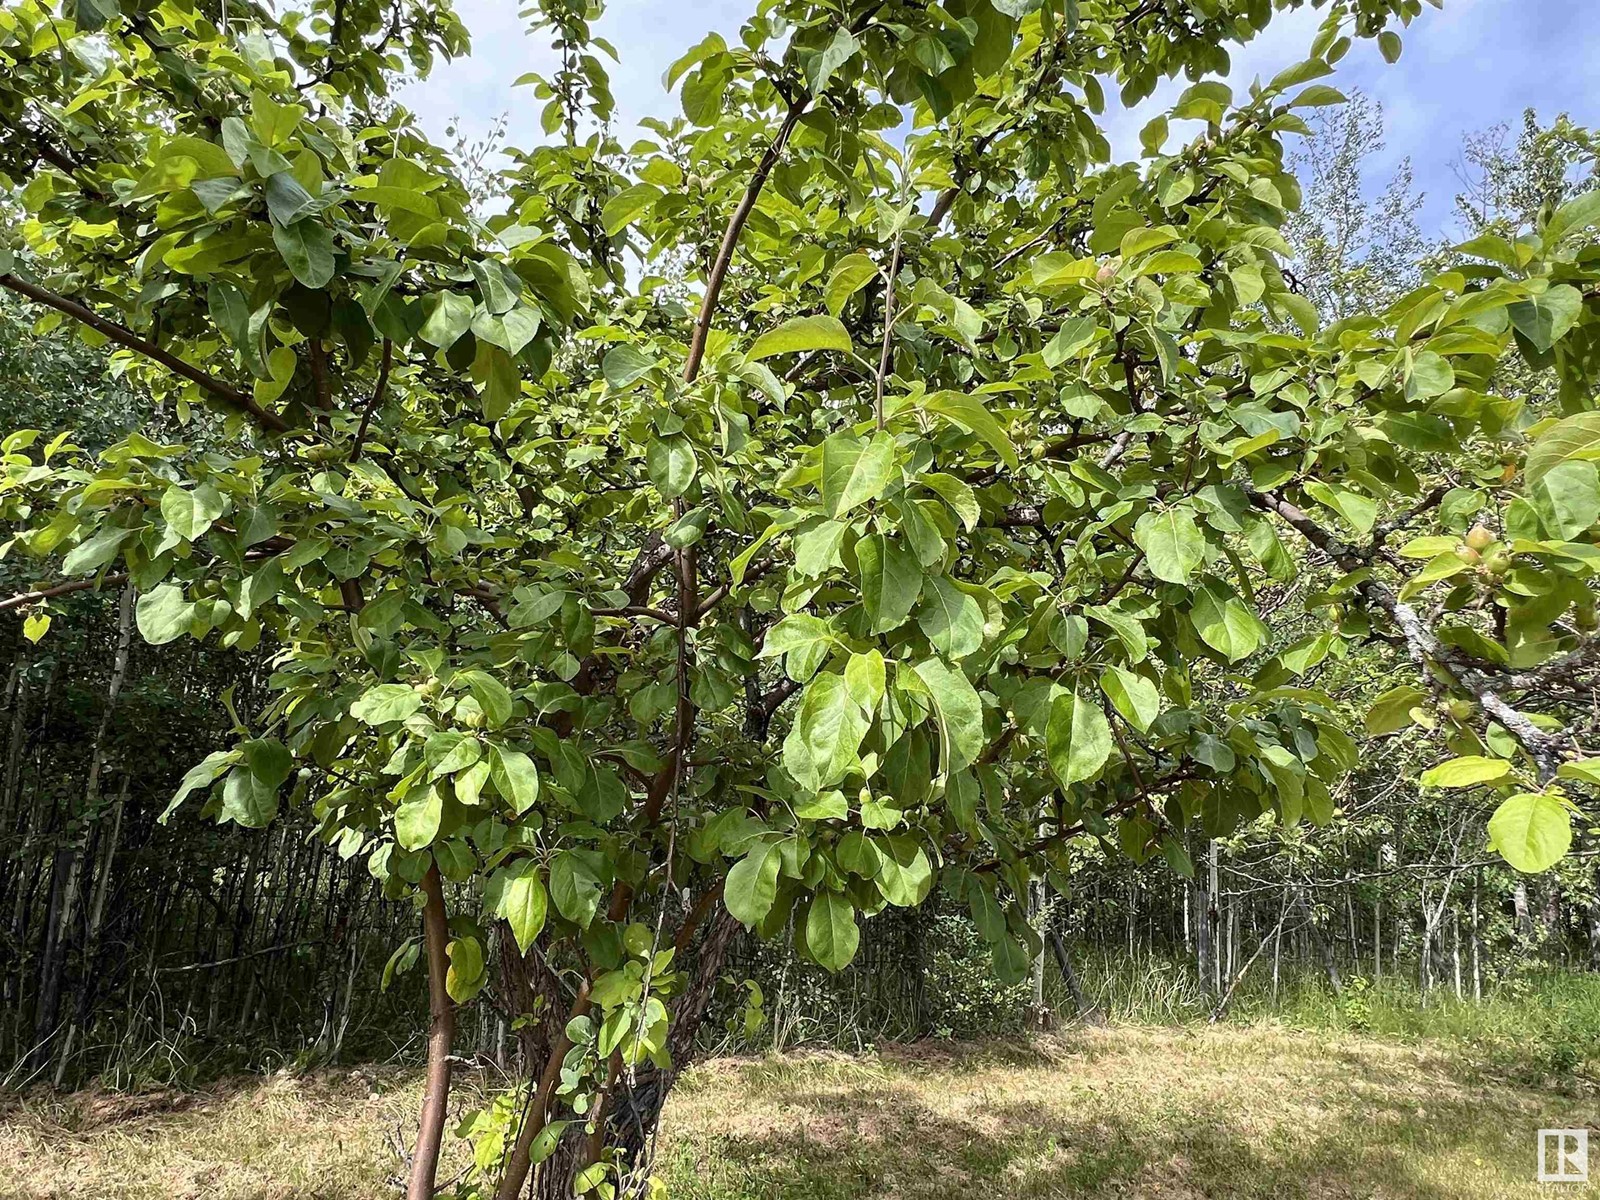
(936, 496)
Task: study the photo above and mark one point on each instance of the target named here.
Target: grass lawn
(1230, 1112)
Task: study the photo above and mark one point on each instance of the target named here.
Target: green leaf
(702, 94)
(957, 709)
(822, 744)
(1574, 437)
(1567, 498)
(968, 413)
(510, 331)
(1226, 623)
(35, 626)
(95, 551)
(1317, 96)
(626, 205)
(625, 365)
(831, 933)
(891, 580)
(866, 676)
(515, 777)
(448, 318)
(799, 334)
(287, 198)
(1074, 335)
(1466, 771)
(516, 893)
(951, 619)
(806, 639)
(386, 702)
(163, 615)
(575, 886)
(849, 275)
(1531, 831)
(201, 775)
(1172, 543)
(1391, 712)
(1355, 510)
(1586, 770)
(545, 1143)
(465, 977)
(817, 550)
(247, 799)
(1077, 738)
(268, 760)
(416, 821)
(1430, 375)
(841, 48)
(854, 472)
(307, 250)
(905, 876)
(1132, 695)
(956, 493)
(752, 884)
(1545, 318)
(671, 464)
(491, 695)
(190, 513)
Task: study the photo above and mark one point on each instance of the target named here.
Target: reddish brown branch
(730, 239)
(441, 1032)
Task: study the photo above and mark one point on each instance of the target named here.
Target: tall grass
(1530, 1024)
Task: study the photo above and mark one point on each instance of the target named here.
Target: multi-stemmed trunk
(633, 1106)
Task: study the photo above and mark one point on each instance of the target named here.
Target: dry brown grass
(1225, 1112)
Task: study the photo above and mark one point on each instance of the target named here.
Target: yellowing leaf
(800, 334)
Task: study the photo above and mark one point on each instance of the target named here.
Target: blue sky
(1465, 67)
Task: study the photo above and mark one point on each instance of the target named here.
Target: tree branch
(126, 337)
(1422, 644)
(730, 238)
(378, 391)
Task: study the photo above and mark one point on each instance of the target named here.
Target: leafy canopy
(932, 491)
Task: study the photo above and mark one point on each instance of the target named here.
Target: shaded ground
(1228, 1112)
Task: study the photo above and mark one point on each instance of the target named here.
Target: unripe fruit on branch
(1478, 537)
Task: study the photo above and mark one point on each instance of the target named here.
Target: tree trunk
(1519, 908)
(1377, 938)
(1594, 932)
(1323, 948)
(69, 860)
(1086, 1011)
(442, 1010)
(1477, 966)
(636, 1104)
(87, 990)
(1041, 1018)
(1455, 951)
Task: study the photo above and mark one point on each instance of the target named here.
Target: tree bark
(1087, 1012)
(441, 1031)
(1594, 935)
(1041, 1018)
(1323, 949)
(69, 860)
